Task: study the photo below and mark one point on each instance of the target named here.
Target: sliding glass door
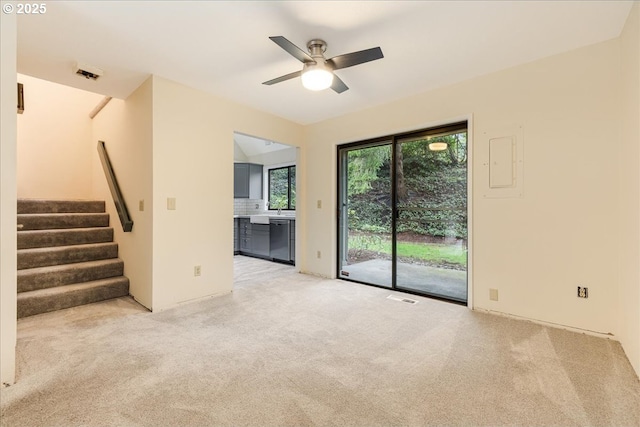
(403, 212)
(431, 213)
(365, 214)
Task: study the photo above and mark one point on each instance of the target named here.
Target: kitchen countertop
(274, 216)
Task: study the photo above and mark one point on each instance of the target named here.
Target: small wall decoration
(20, 98)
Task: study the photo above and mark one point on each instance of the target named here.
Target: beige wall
(535, 249)
(170, 141)
(628, 214)
(193, 154)
(53, 141)
(8, 246)
(127, 130)
(192, 161)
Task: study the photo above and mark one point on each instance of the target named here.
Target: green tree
(282, 185)
(363, 166)
(431, 187)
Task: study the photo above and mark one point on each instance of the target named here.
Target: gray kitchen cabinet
(292, 237)
(253, 238)
(256, 240)
(244, 235)
(247, 181)
(260, 239)
(236, 236)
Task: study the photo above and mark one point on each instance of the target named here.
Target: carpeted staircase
(66, 256)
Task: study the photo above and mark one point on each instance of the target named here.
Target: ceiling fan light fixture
(316, 77)
(317, 73)
(438, 146)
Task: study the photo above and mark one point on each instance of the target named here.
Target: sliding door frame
(393, 141)
(374, 142)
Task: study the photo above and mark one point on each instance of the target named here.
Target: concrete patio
(439, 282)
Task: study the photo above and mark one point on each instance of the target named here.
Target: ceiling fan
(318, 72)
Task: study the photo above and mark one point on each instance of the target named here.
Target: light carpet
(287, 349)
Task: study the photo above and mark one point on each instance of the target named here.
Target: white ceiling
(222, 47)
(252, 146)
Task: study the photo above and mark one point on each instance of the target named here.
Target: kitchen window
(282, 188)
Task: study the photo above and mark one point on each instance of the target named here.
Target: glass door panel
(403, 212)
(365, 209)
(431, 214)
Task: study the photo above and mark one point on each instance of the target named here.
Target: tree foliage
(282, 183)
(431, 188)
(363, 167)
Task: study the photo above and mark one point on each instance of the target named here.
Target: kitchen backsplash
(248, 206)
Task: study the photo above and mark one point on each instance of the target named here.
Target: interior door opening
(403, 212)
(264, 205)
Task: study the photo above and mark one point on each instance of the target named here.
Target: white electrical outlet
(197, 270)
(319, 254)
(319, 204)
(141, 205)
(493, 294)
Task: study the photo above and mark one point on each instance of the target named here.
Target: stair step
(62, 220)
(60, 275)
(51, 299)
(42, 257)
(26, 206)
(63, 237)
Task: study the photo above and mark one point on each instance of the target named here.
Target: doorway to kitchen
(402, 221)
(264, 184)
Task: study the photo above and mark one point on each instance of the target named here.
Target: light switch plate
(171, 203)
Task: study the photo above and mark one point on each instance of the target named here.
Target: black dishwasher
(279, 240)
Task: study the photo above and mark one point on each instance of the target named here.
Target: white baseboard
(606, 335)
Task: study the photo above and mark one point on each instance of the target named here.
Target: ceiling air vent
(87, 71)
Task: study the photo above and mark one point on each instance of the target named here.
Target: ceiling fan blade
(338, 85)
(292, 49)
(283, 78)
(355, 58)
